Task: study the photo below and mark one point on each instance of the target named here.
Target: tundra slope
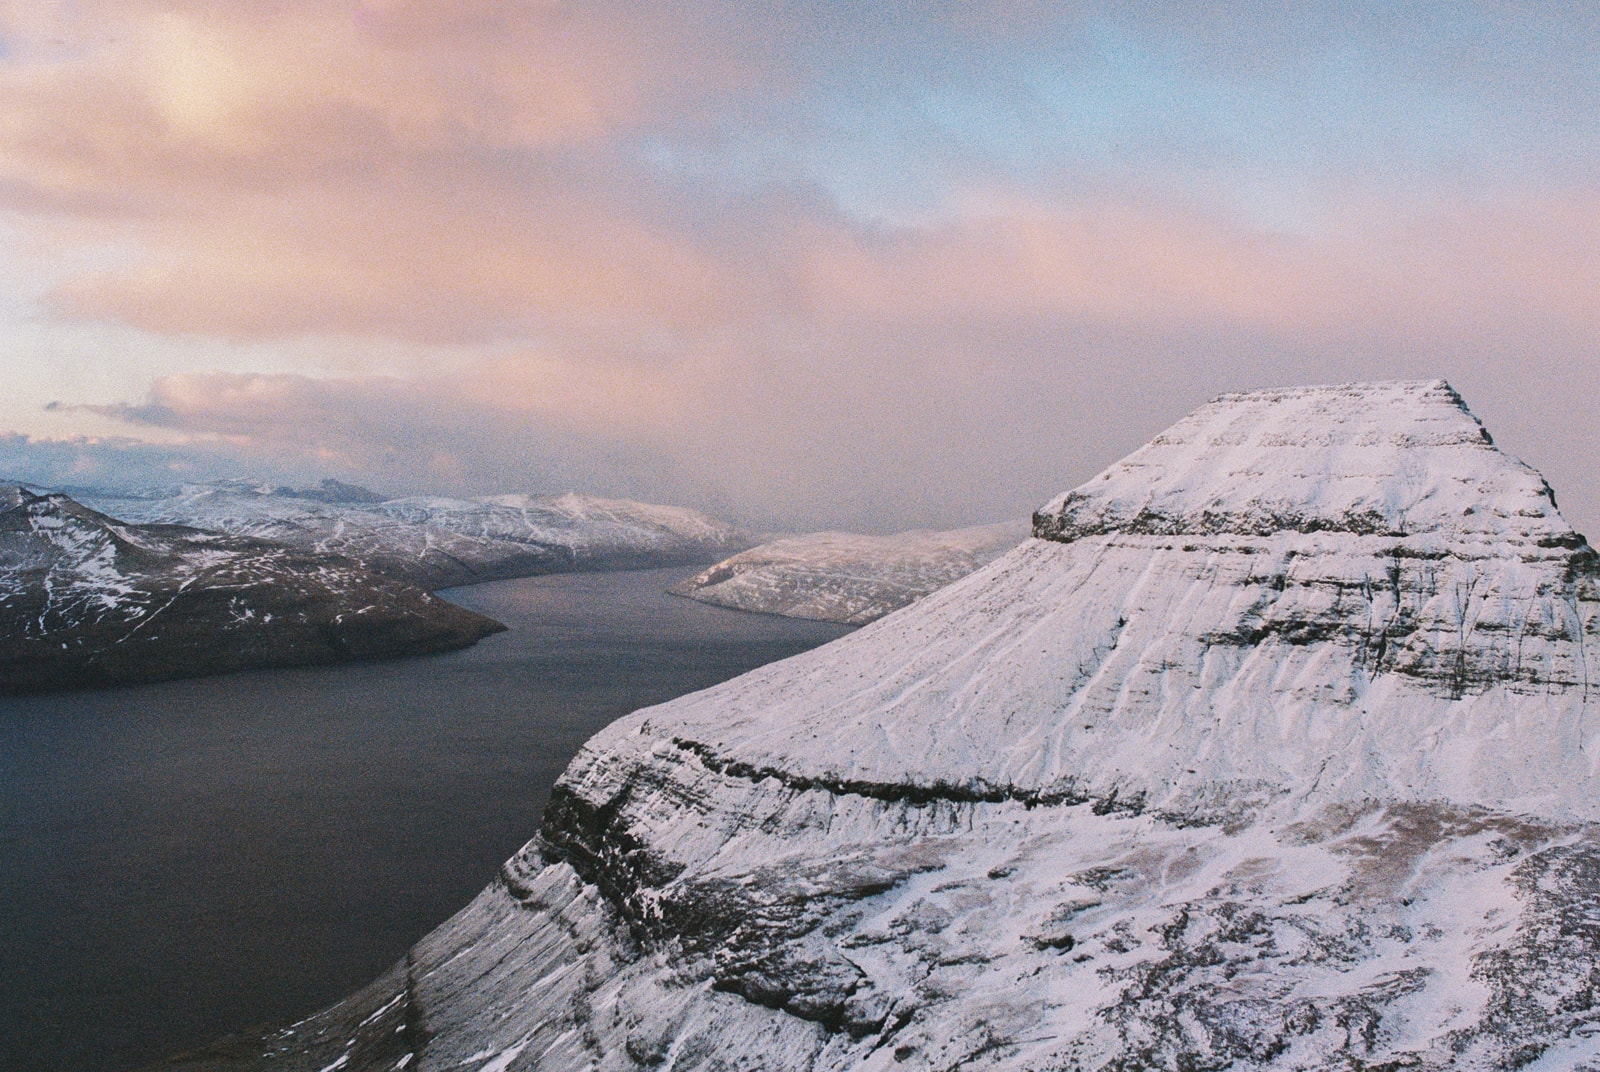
(1274, 750)
(87, 600)
(849, 578)
(440, 542)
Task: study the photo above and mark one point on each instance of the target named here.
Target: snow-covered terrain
(86, 599)
(438, 542)
(1274, 750)
(849, 578)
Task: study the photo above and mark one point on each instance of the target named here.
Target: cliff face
(86, 600)
(1274, 750)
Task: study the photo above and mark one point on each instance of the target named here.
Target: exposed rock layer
(1273, 751)
(845, 577)
(86, 600)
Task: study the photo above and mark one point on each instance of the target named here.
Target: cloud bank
(857, 266)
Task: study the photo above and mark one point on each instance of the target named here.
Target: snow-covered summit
(1207, 639)
(1276, 754)
(1392, 459)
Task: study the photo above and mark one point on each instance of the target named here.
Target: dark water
(179, 861)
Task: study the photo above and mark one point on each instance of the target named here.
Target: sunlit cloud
(726, 252)
(1444, 266)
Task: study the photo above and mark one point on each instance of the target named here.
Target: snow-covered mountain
(86, 600)
(438, 542)
(846, 577)
(1273, 750)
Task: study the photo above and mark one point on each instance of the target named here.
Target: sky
(854, 265)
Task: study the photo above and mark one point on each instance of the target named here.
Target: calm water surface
(179, 861)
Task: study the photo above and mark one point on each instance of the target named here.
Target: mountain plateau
(1270, 750)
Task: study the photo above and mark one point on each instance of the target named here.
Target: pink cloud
(450, 172)
(369, 168)
(468, 173)
(1450, 267)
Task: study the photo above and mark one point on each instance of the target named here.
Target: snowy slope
(1274, 750)
(581, 531)
(437, 542)
(86, 599)
(846, 577)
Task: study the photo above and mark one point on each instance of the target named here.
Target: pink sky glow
(861, 266)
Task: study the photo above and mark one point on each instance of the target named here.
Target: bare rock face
(86, 600)
(848, 578)
(440, 542)
(1276, 749)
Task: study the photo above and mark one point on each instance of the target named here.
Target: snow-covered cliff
(86, 599)
(439, 542)
(1273, 750)
(846, 577)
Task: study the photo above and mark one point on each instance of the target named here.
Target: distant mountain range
(440, 542)
(128, 587)
(89, 600)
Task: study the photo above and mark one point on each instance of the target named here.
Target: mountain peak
(1330, 592)
(1400, 458)
(1276, 755)
(48, 510)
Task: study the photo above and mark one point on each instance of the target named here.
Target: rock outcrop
(1273, 750)
(87, 600)
(845, 577)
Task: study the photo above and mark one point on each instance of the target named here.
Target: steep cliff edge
(1273, 750)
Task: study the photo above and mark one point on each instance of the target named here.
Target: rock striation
(845, 577)
(1275, 749)
(87, 600)
(441, 542)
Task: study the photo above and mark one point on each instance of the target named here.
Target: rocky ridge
(1272, 750)
(87, 600)
(845, 577)
(440, 542)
